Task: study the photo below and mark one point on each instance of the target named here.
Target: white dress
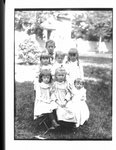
(61, 92)
(74, 71)
(43, 103)
(55, 66)
(79, 107)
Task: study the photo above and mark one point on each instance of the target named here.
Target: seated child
(61, 94)
(78, 104)
(43, 102)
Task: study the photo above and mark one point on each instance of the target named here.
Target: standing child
(78, 104)
(74, 68)
(50, 46)
(61, 95)
(44, 64)
(43, 102)
(59, 57)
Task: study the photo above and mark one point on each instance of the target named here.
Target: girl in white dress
(44, 64)
(74, 68)
(43, 102)
(78, 104)
(61, 94)
(59, 57)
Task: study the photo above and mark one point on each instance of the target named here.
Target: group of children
(59, 87)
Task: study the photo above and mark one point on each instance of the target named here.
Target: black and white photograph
(63, 74)
(60, 75)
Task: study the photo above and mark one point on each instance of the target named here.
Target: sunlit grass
(99, 100)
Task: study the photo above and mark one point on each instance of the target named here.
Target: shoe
(77, 125)
(55, 124)
(52, 128)
(40, 137)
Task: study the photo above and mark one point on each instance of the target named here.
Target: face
(46, 79)
(60, 77)
(45, 61)
(59, 59)
(78, 84)
(73, 57)
(50, 49)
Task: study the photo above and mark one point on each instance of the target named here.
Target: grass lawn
(99, 100)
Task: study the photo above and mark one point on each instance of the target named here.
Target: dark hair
(79, 79)
(50, 42)
(45, 72)
(45, 55)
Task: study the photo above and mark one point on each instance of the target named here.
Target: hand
(63, 105)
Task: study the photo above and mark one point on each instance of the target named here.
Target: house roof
(52, 23)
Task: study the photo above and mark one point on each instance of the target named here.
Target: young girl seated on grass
(43, 102)
(78, 104)
(61, 94)
(74, 68)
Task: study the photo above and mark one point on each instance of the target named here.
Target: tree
(100, 24)
(94, 25)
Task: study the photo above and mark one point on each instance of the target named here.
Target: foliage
(28, 52)
(92, 25)
(31, 21)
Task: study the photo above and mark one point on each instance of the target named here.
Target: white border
(10, 143)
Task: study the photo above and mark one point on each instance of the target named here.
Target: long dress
(79, 106)
(43, 103)
(62, 92)
(75, 71)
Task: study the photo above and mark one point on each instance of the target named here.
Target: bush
(28, 52)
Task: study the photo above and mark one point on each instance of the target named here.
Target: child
(78, 104)
(61, 95)
(50, 46)
(43, 102)
(44, 64)
(74, 68)
(59, 57)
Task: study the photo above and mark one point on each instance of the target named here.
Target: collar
(44, 85)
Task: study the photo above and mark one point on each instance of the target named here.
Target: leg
(52, 118)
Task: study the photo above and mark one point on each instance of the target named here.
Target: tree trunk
(99, 45)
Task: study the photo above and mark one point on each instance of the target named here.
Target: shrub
(29, 52)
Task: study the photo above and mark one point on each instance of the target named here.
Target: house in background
(58, 29)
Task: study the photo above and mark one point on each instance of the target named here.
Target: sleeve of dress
(52, 92)
(36, 77)
(81, 71)
(37, 97)
(69, 93)
(83, 95)
(53, 69)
